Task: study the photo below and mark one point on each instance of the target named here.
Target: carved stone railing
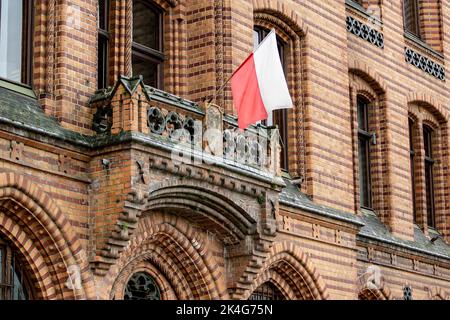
(204, 133)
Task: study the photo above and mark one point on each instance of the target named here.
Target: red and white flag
(259, 85)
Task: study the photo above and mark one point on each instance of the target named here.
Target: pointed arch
(177, 252)
(301, 279)
(35, 225)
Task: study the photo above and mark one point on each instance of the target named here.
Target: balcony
(193, 134)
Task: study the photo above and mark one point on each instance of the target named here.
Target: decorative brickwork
(97, 186)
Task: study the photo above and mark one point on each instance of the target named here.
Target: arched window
(16, 40)
(278, 117)
(267, 291)
(14, 284)
(142, 286)
(148, 54)
(364, 140)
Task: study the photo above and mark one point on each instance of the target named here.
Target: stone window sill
(17, 87)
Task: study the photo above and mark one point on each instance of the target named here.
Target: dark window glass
(148, 55)
(427, 140)
(142, 286)
(14, 284)
(364, 139)
(278, 117)
(412, 157)
(103, 44)
(411, 17)
(16, 25)
(267, 291)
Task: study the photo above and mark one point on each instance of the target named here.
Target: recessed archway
(51, 251)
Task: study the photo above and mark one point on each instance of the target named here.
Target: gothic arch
(301, 280)
(34, 224)
(178, 253)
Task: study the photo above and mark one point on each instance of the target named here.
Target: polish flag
(259, 85)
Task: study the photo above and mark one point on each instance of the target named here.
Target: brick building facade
(107, 191)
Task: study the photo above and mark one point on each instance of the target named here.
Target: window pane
(411, 16)
(19, 290)
(267, 292)
(255, 38)
(103, 14)
(364, 174)
(362, 115)
(427, 141)
(1, 266)
(411, 158)
(2, 258)
(102, 62)
(142, 286)
(429, 191)
(145, 25)
(146, 68)
(11, 39)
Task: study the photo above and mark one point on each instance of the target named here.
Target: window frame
(429, 175)
(267, 292)
(417, 32)
(27, 46)
(412, 157)
(148, 54)
(7, 270)
(366, 137)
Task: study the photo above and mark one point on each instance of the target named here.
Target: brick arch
(428, 102)
(166, 290)
(213, 211)
(296, 269)
(278, 281)
(35, 225)
(177, 251)
(161, 267)
(280, 12)
(369, 75)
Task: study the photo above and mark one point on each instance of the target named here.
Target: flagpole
(220, 89)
